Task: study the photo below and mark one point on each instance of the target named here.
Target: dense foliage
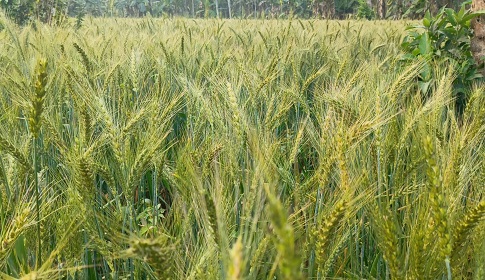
(23, 10)
(239, 149)
(445, 40)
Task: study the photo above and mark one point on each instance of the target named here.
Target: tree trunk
(399, 10)
(192, 9)
(327, 9)
(381, 9)
(478, 40)
(331, 9)
(255, 6)
(229, 8)
(206, 9)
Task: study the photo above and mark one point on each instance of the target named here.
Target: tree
(21, 11)
(478, 40)
(345, 7)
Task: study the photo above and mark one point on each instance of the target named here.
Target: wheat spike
(467, 224)
(38, 98)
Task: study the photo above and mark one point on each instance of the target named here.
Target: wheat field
(234, 149)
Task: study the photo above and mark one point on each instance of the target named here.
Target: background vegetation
(206, 149)
(53, 11)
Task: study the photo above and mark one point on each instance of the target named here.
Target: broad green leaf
(424, 44)
(426, 22)
(407, 56)
(451, 16)
(428, 16)
(471, 16)
(424, 86)
(461, 13)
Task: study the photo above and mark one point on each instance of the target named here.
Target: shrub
(365, 11)
(444, 39)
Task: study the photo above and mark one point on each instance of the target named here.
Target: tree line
(54, 10)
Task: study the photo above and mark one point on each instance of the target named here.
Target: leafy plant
(365, 11)
(149, 218)
(443, 40)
